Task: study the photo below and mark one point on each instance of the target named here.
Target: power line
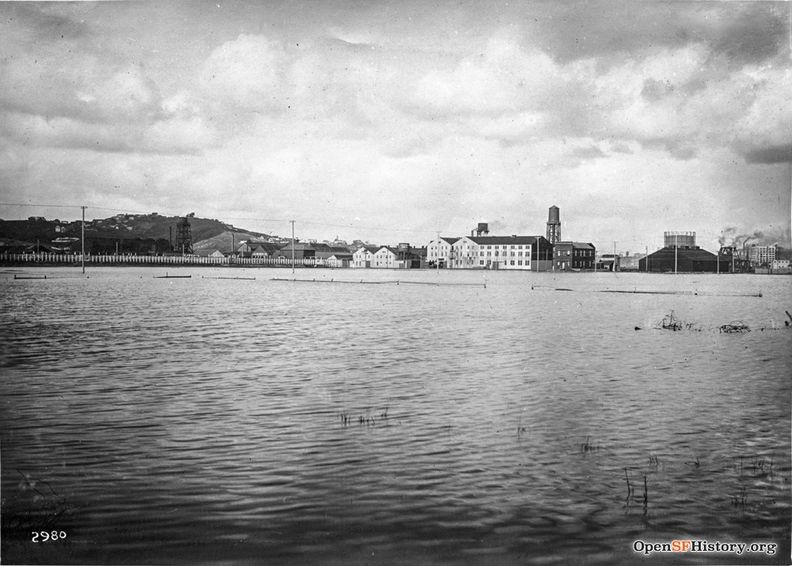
(41, 205)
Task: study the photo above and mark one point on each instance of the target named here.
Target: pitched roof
(501, 240)
(579, 245)
(448, 239)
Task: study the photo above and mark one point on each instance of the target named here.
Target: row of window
(504, 247)
(511, 262)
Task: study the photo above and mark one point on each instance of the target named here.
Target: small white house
(385, 258)
(339, 260)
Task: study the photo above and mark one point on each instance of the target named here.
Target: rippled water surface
(202, 420)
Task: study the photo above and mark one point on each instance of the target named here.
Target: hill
(126, 227)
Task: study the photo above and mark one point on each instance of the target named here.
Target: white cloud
(245, 74)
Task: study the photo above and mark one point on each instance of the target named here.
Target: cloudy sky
(394, 121)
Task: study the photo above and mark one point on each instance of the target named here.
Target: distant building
(609, 262)
(438, 251)
(384, 258)
(681, 254)
(687, 260)
(781, 266)
(340, 259)
(326, 251)
(503, 252)
(569, 256)
(363, 257)
(630, 262)
(402, 256)
(257, 249)
(761, 256)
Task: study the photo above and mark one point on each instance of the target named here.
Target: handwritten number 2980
(47, 536)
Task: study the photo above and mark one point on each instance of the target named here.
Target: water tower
(554, 225)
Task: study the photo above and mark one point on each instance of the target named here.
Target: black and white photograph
(345, 282)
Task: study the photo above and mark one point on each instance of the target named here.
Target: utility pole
(647, 259)
(614, 256)
(292, 223)
(82, 238)
(676, 247)
(437, 254)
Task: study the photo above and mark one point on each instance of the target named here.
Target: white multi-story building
(439, 252)
(501, 252)
(364, 256)
(761, 255)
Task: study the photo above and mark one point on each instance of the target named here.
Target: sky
(395, 121)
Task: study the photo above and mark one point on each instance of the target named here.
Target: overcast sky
(394, 121)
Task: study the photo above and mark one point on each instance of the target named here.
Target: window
(511, 262)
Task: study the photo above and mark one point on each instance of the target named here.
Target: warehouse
(686, 260)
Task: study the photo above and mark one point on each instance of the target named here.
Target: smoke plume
(768, 237)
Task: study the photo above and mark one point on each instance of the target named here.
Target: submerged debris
(671, 322)
(735, 326)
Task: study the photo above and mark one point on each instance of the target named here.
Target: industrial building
(529, 253)
(573, 256)
(681, 254)
(438, 251)
(761, 256)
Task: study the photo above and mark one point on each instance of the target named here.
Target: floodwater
(202, 420)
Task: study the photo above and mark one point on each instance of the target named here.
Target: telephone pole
(82, 238)
(292, 223)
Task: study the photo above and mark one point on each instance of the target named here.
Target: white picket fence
(48, 258)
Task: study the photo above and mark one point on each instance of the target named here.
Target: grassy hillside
(123, 227)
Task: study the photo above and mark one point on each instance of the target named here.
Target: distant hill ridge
(127, 226)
